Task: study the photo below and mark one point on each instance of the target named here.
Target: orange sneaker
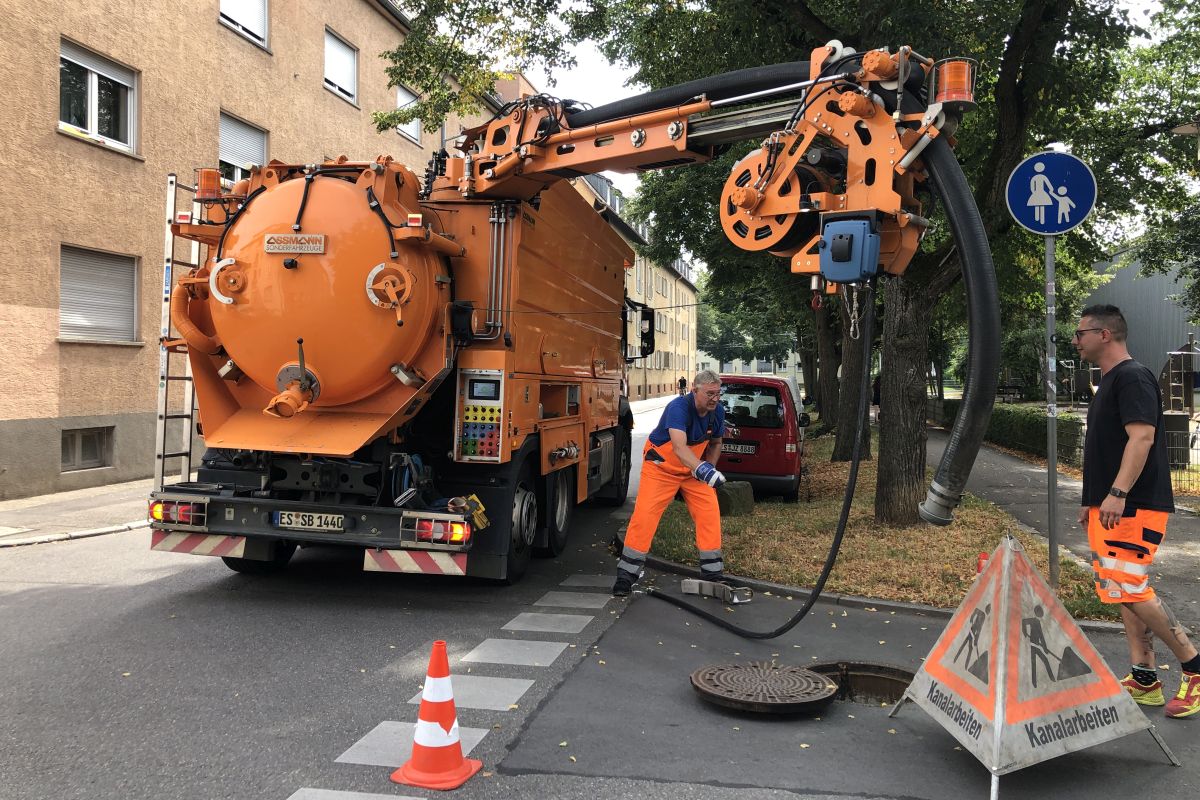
(1187, 702)
(1151, 695)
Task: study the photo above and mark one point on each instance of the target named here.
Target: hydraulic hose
(867, 334)
(716, 87)
(983, 320)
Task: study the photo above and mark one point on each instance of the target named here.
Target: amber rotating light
(954, 83)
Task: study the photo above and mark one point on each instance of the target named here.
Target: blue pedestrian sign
(1050, 193)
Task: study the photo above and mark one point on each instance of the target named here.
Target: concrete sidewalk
(72, 515)
(1019, 487)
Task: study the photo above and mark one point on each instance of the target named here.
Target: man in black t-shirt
(1126, 499)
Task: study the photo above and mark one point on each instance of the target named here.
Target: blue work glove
(707, 473)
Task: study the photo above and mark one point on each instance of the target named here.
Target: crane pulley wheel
(750, 231)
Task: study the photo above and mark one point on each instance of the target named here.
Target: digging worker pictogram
(1126, 499)
(679, 457)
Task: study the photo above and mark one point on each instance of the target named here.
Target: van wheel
(250, 566)
(793, 495)
(524, 526)
(560, 507)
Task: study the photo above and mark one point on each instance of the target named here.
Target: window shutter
(97, 296)
(97, 64)
(242, 143)
(248, 14)
(339, 64)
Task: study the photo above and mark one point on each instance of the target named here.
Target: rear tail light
(789, 447)
(180, 513)
(443, 531)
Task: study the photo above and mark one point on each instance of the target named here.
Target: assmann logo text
(294, 243)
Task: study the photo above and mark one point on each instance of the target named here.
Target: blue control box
(849, 251)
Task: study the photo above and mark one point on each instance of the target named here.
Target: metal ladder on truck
(170, 349)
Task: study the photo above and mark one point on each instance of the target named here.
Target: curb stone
(852, 601)
(62, 537)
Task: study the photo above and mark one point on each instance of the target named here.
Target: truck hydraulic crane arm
(832, 188)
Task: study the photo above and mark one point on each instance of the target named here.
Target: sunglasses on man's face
(1079, 332)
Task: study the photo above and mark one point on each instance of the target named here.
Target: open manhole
(866, 682)
(764, 686)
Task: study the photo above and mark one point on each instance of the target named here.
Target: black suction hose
(867, 334)
(983, 321)
(979, 393)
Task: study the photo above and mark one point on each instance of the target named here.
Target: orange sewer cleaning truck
(431, 370)
(438, 383)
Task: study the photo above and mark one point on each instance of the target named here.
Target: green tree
(1049, 71)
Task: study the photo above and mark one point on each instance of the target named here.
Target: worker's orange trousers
(663, 475)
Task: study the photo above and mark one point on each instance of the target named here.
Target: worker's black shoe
(624, 584)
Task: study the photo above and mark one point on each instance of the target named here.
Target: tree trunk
(900, 484)
(854, 351)
(827, 389)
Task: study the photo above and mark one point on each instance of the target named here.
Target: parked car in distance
(764, 441)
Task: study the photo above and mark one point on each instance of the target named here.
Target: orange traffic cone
(437, 760)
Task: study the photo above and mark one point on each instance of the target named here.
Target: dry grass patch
(787, 543)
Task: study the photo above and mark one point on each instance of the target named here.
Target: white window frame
(224, 148)
(409, 130)
(73, 313)
(241, 17)
(96, 66)
(349, 94)
(73, 437)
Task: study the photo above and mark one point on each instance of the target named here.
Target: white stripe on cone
(431, 734)
(437, 690)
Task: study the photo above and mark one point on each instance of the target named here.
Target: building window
(341, 67)
(726, 366)
(638, 266)
(97, 296)
(410, 129)
(86, 448)
(97, 98)
(765, 366)
(684, 336)
(247, 17)
(240, 146)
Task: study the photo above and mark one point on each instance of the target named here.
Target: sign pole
(1051, 414)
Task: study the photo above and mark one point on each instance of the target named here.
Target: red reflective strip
(226, 547)
(425, 562)
(189, 544)
(156, 538)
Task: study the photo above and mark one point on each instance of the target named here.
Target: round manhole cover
(763, 686)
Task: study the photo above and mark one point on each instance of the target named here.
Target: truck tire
(524, 524)
(250, 566)
(558, 510)
(616, 490)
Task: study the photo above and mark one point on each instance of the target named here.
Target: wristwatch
(1115, 492)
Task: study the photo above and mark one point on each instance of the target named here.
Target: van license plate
(306, 521)
(747, 449)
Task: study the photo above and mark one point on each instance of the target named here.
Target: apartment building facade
(669, 289)
(106, 98)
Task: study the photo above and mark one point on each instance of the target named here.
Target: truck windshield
(748, 406)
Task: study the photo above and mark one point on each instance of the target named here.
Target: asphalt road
(127, 674)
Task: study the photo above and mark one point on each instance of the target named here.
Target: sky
(594, 81)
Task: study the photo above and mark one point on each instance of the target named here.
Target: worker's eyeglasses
(1079, 332)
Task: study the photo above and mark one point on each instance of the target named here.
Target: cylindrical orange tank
(366, 297)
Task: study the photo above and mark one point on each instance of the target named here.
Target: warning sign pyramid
(1014, 679)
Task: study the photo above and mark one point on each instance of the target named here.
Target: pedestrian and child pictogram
(1050, 193)
(1014, 679)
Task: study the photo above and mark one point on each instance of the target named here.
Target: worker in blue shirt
(678, 457)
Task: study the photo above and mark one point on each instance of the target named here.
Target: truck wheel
(617, 490)
(524, 525)
(560, 507)
(250, 566)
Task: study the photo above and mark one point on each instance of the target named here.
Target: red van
(763, 443)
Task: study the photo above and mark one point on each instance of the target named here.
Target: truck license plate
(306, 521)
(748, 449)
